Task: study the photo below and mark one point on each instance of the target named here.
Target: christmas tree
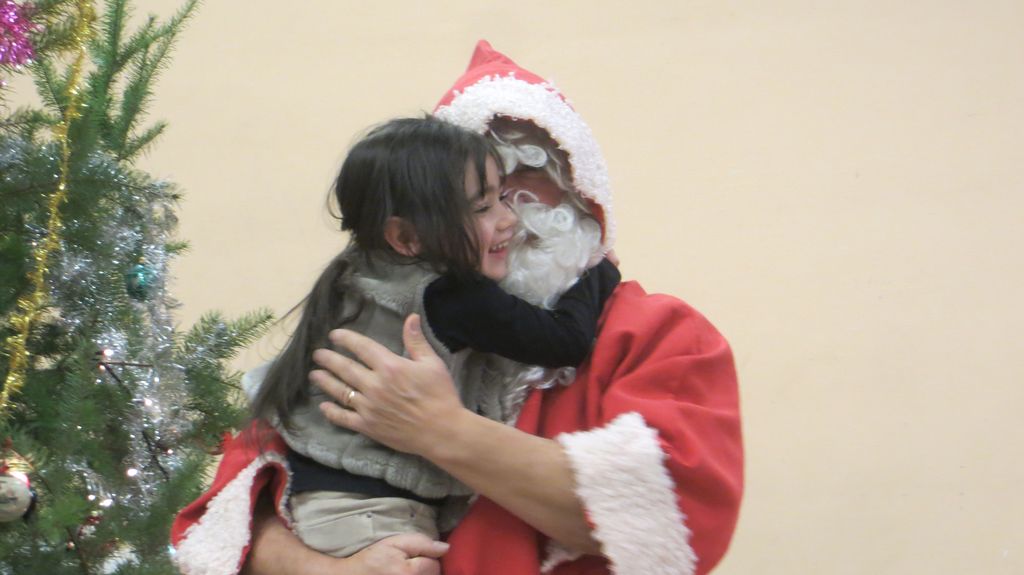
(108, 416)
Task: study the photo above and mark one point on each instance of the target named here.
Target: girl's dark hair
(413, 168)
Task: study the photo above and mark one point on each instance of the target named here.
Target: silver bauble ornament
(16, 497)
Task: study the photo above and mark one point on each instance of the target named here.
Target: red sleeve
(212, 535)
(661, 472)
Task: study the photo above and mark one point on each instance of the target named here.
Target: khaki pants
(341, 524)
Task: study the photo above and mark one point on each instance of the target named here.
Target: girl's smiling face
(494, 222)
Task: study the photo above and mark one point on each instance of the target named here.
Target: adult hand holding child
(421, 405)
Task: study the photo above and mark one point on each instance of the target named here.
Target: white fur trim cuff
(630, 497)
(476, 106)
(214, 545)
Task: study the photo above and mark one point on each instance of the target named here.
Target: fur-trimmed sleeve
(213, 534)
(661, 475)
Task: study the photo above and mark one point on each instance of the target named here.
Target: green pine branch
(216, 390)
(133, 146)
(49, 86)
(26, 123)
(150, 53)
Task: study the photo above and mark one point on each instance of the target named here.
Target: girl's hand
(409, 404)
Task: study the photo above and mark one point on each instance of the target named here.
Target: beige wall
(837, 185)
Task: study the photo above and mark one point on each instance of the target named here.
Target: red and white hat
(494, 85)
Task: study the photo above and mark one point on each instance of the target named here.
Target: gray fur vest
(387, 293)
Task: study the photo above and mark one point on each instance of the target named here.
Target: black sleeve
(480, 315)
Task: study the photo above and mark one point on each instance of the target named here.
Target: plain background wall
(837, 185)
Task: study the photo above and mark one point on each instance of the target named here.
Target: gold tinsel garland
(31, 305)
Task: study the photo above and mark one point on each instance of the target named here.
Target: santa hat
(494, 85)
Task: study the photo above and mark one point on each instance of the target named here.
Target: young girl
(430, 231)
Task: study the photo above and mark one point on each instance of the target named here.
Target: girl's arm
(530, 476)
(480, 315)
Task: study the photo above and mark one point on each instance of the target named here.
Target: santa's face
(537, 182)
(556, 240)
(554, 245)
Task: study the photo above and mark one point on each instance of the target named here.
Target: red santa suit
(650, 424)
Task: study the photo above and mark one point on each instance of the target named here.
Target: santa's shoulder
(635, 315)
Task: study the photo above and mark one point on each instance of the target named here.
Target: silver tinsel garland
(88, 296)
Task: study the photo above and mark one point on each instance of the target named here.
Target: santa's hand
(406, 554)
(409, 404)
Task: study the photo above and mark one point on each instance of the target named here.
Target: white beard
(552, 248)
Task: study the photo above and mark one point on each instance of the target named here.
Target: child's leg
(341, 524)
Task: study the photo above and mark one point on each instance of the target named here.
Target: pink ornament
(15, 26)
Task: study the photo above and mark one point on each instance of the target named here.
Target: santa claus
(630, 464)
